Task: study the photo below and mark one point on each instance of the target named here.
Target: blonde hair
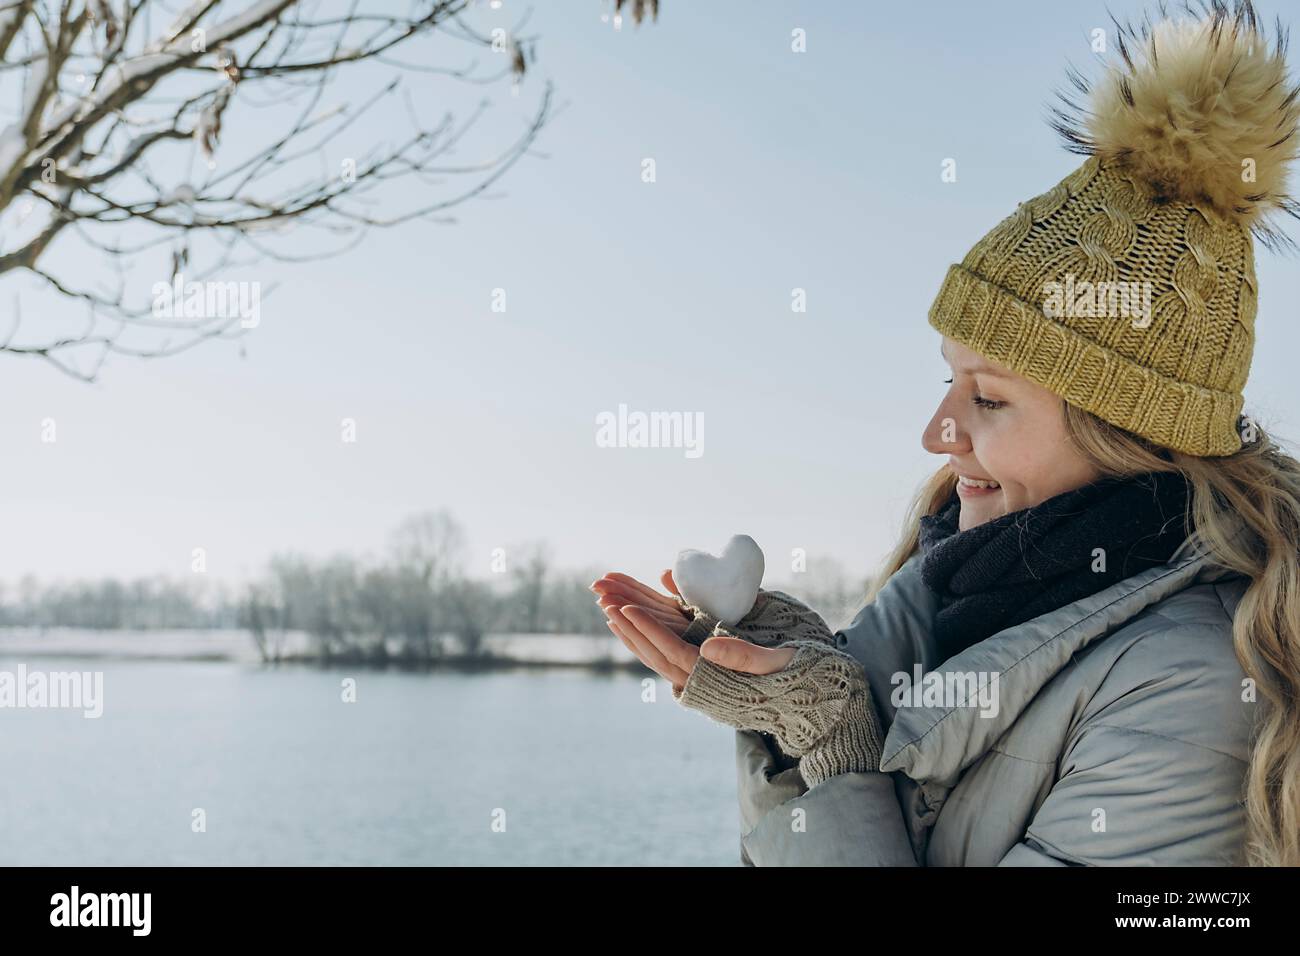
(1259, 484)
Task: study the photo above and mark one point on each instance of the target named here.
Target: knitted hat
(1128, 289)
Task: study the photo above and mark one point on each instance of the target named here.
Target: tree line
(418, 603)
(415, 604)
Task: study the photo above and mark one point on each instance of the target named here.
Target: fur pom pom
(1201, 110)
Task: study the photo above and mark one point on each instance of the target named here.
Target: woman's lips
(974, 491)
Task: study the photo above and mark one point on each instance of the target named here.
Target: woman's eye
(980, 400)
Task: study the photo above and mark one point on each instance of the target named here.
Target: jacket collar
(937, 743)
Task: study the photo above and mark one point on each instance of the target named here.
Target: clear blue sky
(775, 170)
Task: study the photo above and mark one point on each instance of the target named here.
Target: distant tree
(267, 619)
(428, 549)
(528, 572)
(431, 543)
(568, 605)
(472, 609)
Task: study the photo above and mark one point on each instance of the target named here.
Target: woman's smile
(975, 488)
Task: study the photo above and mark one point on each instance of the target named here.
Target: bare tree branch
(111, 112)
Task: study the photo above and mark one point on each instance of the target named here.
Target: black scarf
(1028, 562)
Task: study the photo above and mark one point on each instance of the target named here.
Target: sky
(774, 170)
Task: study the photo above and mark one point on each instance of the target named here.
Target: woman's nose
(944, 435)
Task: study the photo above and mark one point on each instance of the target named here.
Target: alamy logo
(72, 690)
(651, 430)
(179, 299)
(1107, 300)
(946, 689)
(102, 909)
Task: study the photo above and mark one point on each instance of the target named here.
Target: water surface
(412, 773)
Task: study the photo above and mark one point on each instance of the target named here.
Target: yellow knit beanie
(1129, 287)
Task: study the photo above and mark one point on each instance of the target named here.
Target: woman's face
(1001, 429)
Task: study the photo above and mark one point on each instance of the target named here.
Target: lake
(414, 772)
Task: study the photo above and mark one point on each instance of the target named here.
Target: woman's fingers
(671, 647)
(623, 631)
(647, 650)
(626, 643)
(616, 596)
(675, 621)
(624, 583)
(672, 675)
(617, 583)
(666, 579)
(737, 655)
(616, 593)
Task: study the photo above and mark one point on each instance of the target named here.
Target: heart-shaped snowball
(725, 586)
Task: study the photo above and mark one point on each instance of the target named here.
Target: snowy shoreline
(237, 646)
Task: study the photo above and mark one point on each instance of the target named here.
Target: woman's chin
(979, 510)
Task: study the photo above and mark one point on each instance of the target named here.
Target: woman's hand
(674, 659)
(617, 590)
(811, 697)
(651, 626)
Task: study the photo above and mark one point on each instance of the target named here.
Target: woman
(1086, 648)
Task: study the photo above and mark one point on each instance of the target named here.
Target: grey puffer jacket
(1120, 736)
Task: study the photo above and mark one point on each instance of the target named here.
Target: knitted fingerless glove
(819, 708)
(775, 619)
